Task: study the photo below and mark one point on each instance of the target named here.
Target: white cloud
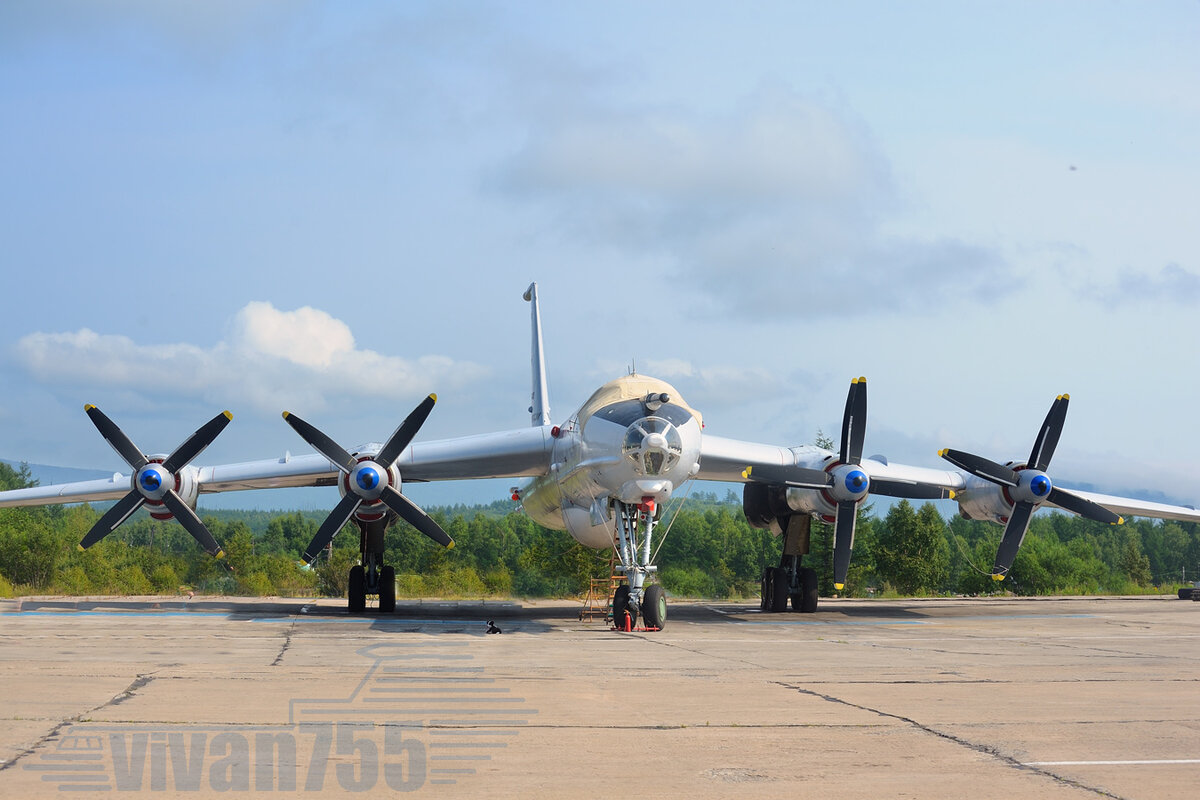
(306, 336)
(272, 360)
(778, 207)
(1171, 285)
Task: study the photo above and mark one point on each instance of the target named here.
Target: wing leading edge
(524, 452)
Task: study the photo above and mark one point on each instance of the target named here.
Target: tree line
(709, 550)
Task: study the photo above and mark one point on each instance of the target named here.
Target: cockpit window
(627, 412)
(653, 445)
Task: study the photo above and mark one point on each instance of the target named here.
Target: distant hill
(45, 474)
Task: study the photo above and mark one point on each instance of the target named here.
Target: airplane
(604, 475)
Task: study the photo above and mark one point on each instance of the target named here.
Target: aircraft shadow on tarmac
(467, 616)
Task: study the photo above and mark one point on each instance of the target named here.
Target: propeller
(1029, 486)
(844, 482)
(155, 482)
(850, 483)
(369, 481)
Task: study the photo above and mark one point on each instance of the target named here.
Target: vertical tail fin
(539, 406)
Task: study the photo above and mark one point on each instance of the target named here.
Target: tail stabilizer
(539, 406)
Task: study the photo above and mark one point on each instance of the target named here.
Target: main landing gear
(790, 580)
(635, 526)
(371, 577)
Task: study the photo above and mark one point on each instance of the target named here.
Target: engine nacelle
(373, 510)
(983, 500)
(187, 486)
(765, 506)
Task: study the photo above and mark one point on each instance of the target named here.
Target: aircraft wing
(727, 459)
(1129, 507)
(518, 453)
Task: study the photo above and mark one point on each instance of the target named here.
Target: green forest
(709, 551)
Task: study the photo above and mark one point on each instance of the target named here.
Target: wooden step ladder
(597, 603)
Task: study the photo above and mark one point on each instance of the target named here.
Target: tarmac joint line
(958, 740)
(130, 691)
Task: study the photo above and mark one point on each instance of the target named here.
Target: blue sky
(333, 208)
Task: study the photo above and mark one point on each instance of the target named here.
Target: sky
(334, 208)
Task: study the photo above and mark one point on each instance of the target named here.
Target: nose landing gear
(635, 528)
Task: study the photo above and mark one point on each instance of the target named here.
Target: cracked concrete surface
(927, 699)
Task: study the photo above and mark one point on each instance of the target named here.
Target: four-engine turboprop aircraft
(604, 475)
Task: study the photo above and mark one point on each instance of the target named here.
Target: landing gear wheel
(654, 607)
(620, 606)
(764, 597)
(808, 591)
(779, 593)
(357, 592)
(387, 590)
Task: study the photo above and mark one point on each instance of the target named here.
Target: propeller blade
(854, 423)
(1047, 438)
(1014, 534)
(112, 518)
(404, 434)
(188, 519)
(413, 515)
(327, 447)
(1084, 508)
(125, 448)
(788, 476)
(333, 523)
(843, 541)
(981, 467)
(196, 443)
(912, 491)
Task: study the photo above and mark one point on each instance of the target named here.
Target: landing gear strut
(790, 581)
(371, 576)
(635, 527)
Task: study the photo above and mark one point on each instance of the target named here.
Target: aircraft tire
(808, 590)
(620, 606)
(654, 607)
(779, 597)
(766, 585)
(387, 590)
(1186, 594)
(357, 589)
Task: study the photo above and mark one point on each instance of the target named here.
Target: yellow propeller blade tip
(862, 379)
(942, 452)
(1066, 396)
(228, 414)
(839, 586)
(1120, 520)
(433, 396)
(287, 414)
(746, 472)
(220, 554)
(451, 545)
(81, 547)
(952, 494)
(997, 577)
